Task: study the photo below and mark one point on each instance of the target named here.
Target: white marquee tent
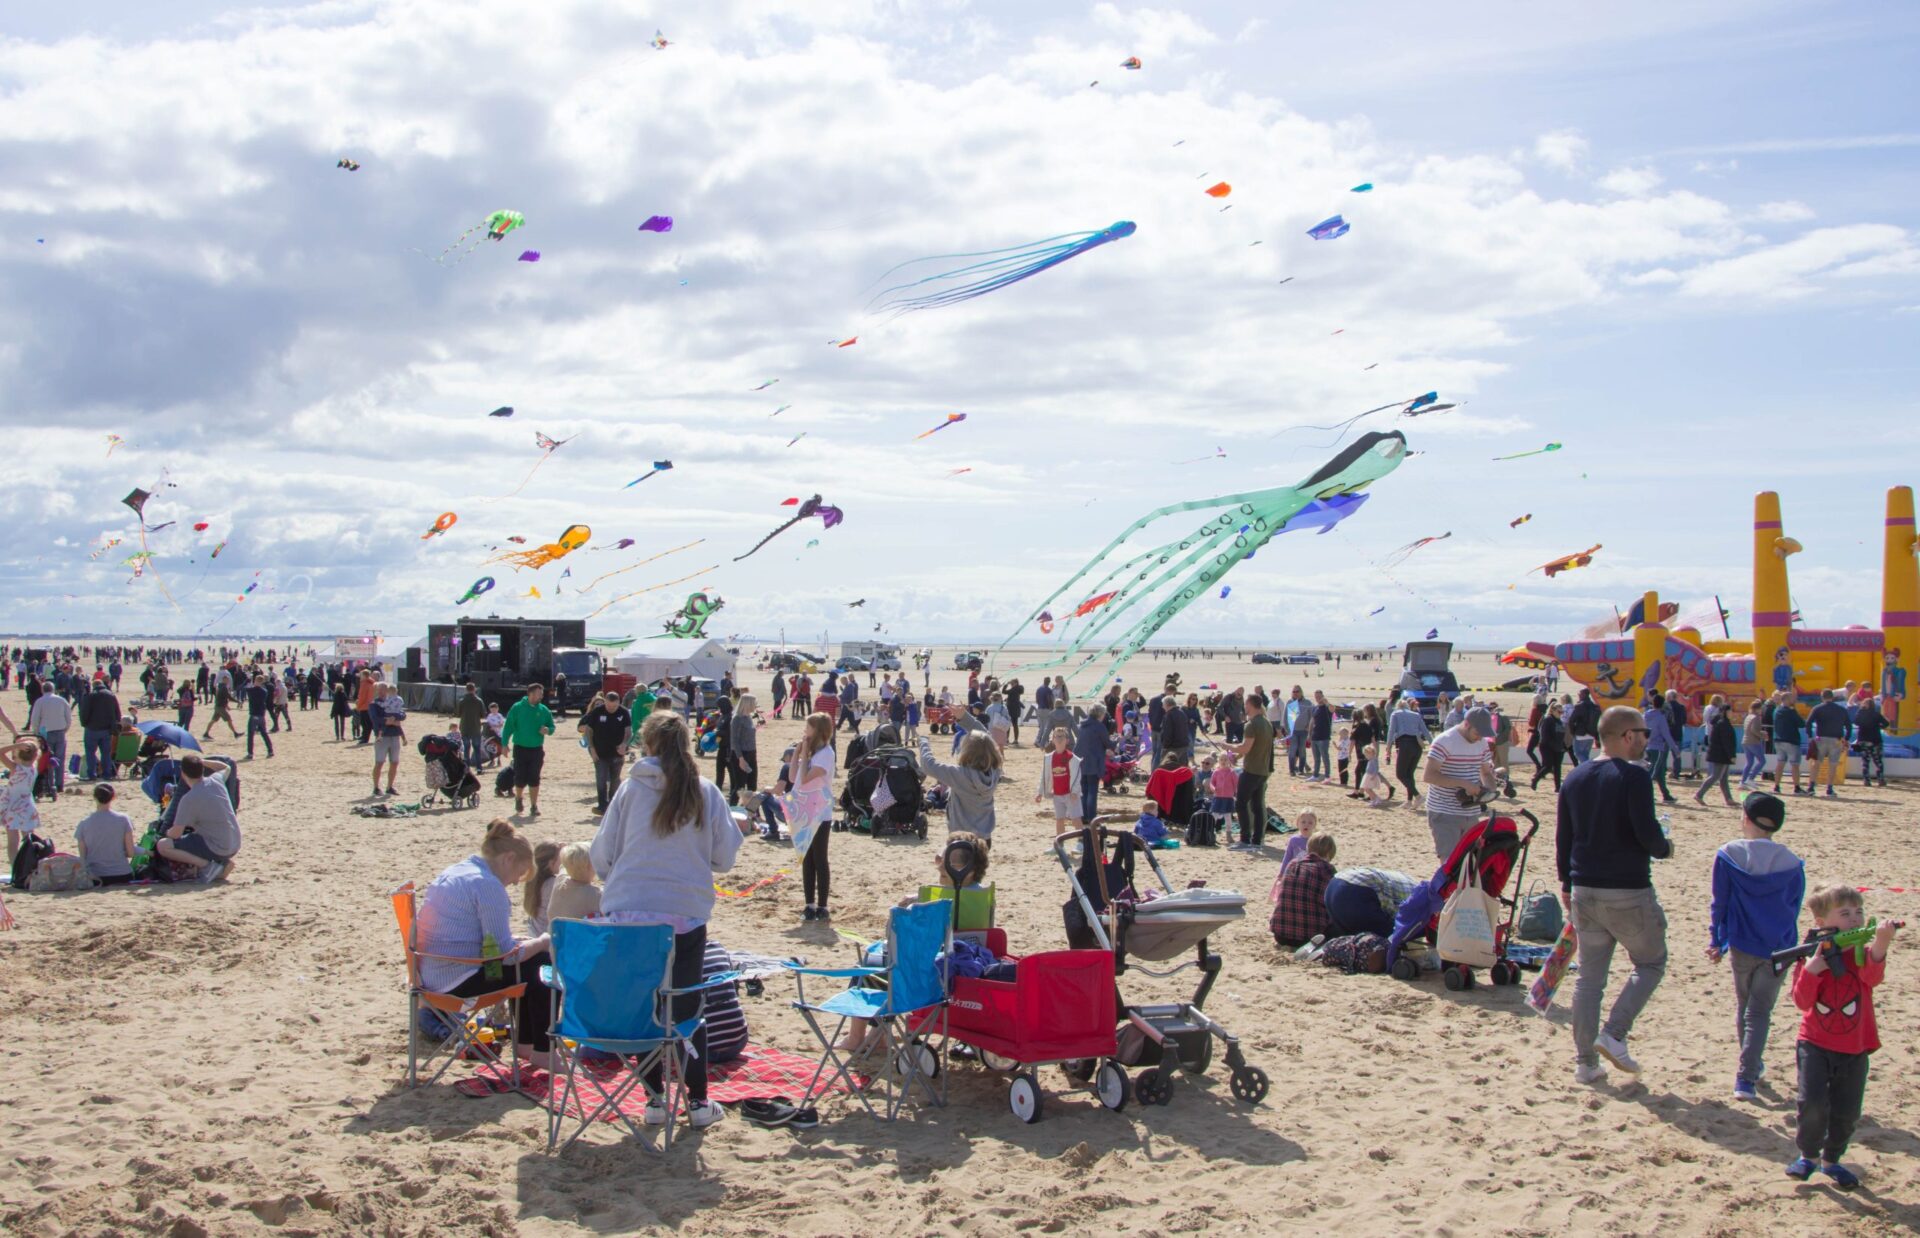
(661, 657)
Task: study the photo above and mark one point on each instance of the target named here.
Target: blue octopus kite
(1000, 268)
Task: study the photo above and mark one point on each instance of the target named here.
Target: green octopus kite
(1207, 554)
(497, 226)
(690, 621)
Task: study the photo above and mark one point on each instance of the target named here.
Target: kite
(1433, 633)
(137, 500)
(104, 547)
(1220, 190)
(1362, 187)
(113, 441)
(846, 343)
(1376, 610)
(516, 539)
(829, 516)
(200, 526)
(860, 602)
(478, 587)
(533, 592)
(348, 164)
(505, 410)
(1566, 563)
(1418, 406)
(1401, 554)
(547, 447)
(690, 621)
(1288, 280)
(651, 588)
(497, 226)
(216, 551)
(642, 563)
(622, 544)
(957, 472)
(952, 418)
(770, 382)
(1328, 229)
(1517, 521)
(1133, 62)
(1522, 454)
(1094, 603)
(1168, 577)
(659, 41)
(749, 890)
(1046, 623)
(657, 223)
(572, 539)
(659, 466)
(776, 412)
(796, 438)
(789, 502)
(138, 561)
(1225, 589)
(813, 543)
(529, 255)
(447, 521)
(999, 268)
(1218, 453)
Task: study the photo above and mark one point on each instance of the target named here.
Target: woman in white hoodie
(666, 832)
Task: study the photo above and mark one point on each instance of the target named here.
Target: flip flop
(768, 1113)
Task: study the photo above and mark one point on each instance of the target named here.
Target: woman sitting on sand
(665, 834)
(467, 913)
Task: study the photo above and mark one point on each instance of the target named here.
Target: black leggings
(534, 1012)
(689, 953)
(813, 867)
(1406, 756)
(340, 727)
(1550, 759)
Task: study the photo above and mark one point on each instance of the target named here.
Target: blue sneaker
(1742, 1090)
(1843, 1177)
(1801, 1168)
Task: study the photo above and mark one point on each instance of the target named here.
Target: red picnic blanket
(759, 1073)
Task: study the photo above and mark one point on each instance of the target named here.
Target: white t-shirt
(1461, 758)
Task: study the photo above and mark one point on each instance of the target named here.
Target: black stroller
(448, 773)
(875, 759)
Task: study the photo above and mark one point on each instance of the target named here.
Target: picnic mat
(759, 1073)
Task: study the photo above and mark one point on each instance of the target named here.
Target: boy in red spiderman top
(1834, 991)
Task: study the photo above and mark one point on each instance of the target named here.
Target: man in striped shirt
(1459, 769)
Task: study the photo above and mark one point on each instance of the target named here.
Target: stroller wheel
(1405, 968)
(1110, 1086)
(1249, 1084)
(1504, 972)
(993, 1061)
(920, 824)
(1023, 1097)
(1201, 1058)
(1151, 1088)
(1458, 978)
(1079, 1069)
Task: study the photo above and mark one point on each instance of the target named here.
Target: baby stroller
(883, 791)
(447, 773)
(1486, 857)
(1106, 913)
(1121, 762)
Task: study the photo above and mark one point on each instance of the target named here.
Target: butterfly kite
(659, 466)
(657, 223)
(1522, 454)
(572, 539)
(1566, 563)
(1164, 579)
(997, 269)
(829, 516)
(1401, 554)
(952, 419)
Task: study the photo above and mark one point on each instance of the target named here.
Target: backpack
(33, 849)
(1540, 918)
(59, 872)
(1203, 829)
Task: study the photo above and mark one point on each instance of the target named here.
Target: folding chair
(613, 993)
(912, 1003)
(126, 751)
(458, 1011)
(972, 907)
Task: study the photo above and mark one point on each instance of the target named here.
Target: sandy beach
(188, 1060)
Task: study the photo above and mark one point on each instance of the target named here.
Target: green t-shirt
(642, 706)
(473, 713)
(1259, 745)
(528, 725)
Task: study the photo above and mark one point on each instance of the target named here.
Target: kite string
(651, 588)
(642, 563)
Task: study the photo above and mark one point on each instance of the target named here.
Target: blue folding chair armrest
(711, 982)
(844, 973)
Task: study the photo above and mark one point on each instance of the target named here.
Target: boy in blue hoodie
(1757, 887)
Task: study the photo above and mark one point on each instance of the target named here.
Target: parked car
(1267, 659)
(887, 662)
(972, 660)
(852, 664)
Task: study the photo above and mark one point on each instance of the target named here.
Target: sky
(1678, 238)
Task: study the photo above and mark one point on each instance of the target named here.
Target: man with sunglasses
(1607, 836)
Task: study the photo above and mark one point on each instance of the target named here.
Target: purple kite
(829, 516)
(1328, 229)
(530, 255)
(658, 223)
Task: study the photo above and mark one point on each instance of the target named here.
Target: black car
(1268, 659)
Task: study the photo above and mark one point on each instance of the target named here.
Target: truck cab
(579, 675)
(1424, 676)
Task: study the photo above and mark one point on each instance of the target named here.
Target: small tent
(665, 657)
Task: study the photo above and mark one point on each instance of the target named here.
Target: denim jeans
(1754, 989)
(1089, 794)
(1657, 766)
(257, 725)
(473, 750)
(1756, 755)
(1322, 759)
(56, 742)
(606, 778)
(1582, 745)
(1602, 918)
(99, 750)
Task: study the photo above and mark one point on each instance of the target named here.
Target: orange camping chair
(457, 1011)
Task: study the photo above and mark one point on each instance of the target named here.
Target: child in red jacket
(1834, 991)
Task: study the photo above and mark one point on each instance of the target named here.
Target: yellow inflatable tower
(1899, 610)
(1772, 600)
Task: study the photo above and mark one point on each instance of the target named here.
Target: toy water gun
(1836, 940)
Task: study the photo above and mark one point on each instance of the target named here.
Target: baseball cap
(1769, 812)
(1480, 720)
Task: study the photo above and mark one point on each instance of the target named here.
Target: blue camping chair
(906, 1001)
(612, 994)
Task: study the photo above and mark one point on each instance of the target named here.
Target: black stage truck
(503, 656)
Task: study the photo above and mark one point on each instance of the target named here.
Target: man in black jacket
(1176, 732)
(1606, 837)
(1583, 725)
(100, 716)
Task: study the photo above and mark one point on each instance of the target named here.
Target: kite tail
(769, 537)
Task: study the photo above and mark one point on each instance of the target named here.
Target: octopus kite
(1166, 578)
(998, 268)
(829, 516)
(574, 538)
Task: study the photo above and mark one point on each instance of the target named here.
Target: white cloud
(1631, 182)
(1789, 212)
(1792, 269)
(1563, 149)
